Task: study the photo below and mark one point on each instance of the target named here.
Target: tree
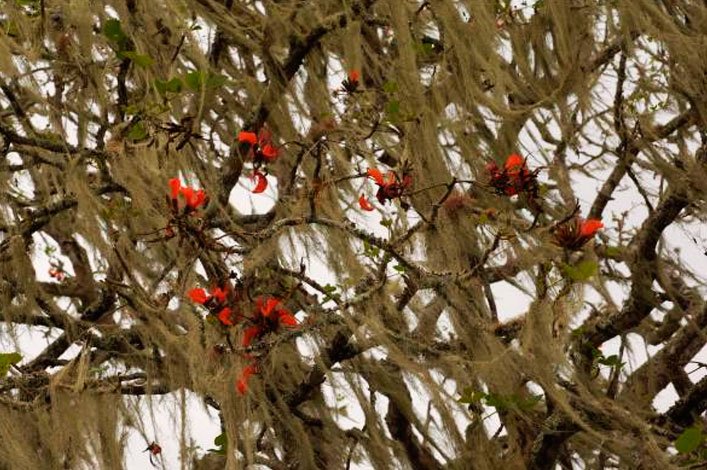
(425, 154)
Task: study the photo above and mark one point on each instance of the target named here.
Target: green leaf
(172, 86)
(392, 110)
(137, 131)
(582, 271)
(114, 31)
(7, 360)
(689, 440)
(390, 87)
(220, 440)
(386, 223)
(194, 79)
(613, 251)
(197, 78)
(611, 361)
(470, 395)
(216, 81)
(399, 268)
(140, 60)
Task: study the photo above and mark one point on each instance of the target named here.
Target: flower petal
(286, 318)
(174, 186)
(590, 227)
(269, 152)
(199, 198)
(188, 194)
(242, 383)
(269, 306)
(249, 334)
(365, 204)
(224, 316)
(262, 183)
(514, 162)
(247, 137)
(198, 296)
(376, 175)
(219, 294)
(354, 76)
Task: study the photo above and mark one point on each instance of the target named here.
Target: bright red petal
(514, 162)
(249, 335)
(287, 319)
(262, 183)
(219, 294)
(242, 383)
(198, 296)
(174, 186)
(365, 204)
(224, 316)
(590, 227)
(269, 306)
(269, 152)
(354, 76)
(376, 175)
(247, 137)
(188, 194)
(199, 198)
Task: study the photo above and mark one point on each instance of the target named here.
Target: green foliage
(196, 79)
(140, 60)
(220, 442)
(7, 360)
(582, 271)
(173, 85)
(689, 440)
(137, 131)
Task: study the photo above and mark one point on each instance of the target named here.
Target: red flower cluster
(242, 382)
(192, 198)
(216, 303)
(514, 178)
(155, 450)
(57, 273)
(262, 151)
(351, 83)
(268, 317)
(389, 188)
(576, 232)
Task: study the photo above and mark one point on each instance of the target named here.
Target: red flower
(261, 148)
(224, 316)
(192, 198)
(247, 137)
(242, 382)
(514, 178)
(588, 228)
(57, 273)
(219, 294)
(154, 449)
(350, 84)
(249, 334)
(364, 203)
(391, 187)
(174, 185)
(261, 184)
(198, 296)
(268, 317)
(574, 233)
(269, 152)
